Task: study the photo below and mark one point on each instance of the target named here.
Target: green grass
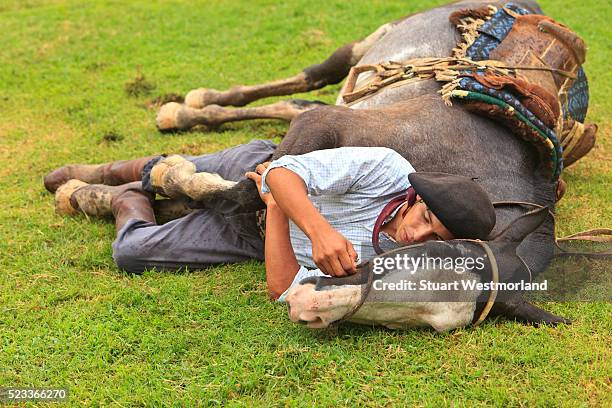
(69, 318)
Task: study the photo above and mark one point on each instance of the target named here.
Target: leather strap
(409, 197)
(494, 278)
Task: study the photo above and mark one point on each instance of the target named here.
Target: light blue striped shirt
(349, 186)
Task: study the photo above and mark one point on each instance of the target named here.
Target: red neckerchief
(409, 197)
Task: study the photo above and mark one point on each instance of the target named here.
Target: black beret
(459, 203)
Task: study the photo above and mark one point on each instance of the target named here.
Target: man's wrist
(316, 226)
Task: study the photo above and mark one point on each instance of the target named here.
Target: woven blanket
(531, 129)
(533, 115)
(493, 32)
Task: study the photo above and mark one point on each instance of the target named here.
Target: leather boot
(111, 174)
(95, 200)
(132, 203)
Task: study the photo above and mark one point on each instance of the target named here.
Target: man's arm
(281, 265)
(331, 252)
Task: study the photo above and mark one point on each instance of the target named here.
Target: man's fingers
(352, 253)
(348, 265)
(324, 267)
(261, 168)
(253, 176)
(337, 267)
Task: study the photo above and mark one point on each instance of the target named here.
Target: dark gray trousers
(203, 238)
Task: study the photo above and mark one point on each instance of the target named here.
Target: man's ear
(522, 226)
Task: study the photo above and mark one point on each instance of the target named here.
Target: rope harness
(443, 69)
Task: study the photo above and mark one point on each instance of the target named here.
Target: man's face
(419, 224)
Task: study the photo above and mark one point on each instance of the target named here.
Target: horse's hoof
(63, 194)
(168, 117)
(201, 97)
(167, 174)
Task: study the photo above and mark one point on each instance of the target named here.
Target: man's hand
(333, 253)
(256, 177)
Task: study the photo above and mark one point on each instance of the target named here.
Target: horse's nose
(299, 320)
(312, 321)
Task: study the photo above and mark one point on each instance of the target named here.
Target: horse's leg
(331, 71)
(175, 116)
(313, 130)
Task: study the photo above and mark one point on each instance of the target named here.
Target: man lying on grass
(327, 209)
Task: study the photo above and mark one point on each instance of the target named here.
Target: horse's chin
(319, 309)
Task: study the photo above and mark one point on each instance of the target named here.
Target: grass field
(69, 318)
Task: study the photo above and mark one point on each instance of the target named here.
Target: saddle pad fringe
(468, 22)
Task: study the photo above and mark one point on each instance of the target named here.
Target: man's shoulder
(368, 153)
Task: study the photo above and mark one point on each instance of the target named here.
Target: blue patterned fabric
(493, 32)
(577, 98)
(471, 84)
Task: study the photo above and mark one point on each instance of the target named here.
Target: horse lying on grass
(410, 117)
(413, 120)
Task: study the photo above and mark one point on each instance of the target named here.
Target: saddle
(522, 70)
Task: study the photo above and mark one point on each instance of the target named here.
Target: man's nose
(423, 234)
